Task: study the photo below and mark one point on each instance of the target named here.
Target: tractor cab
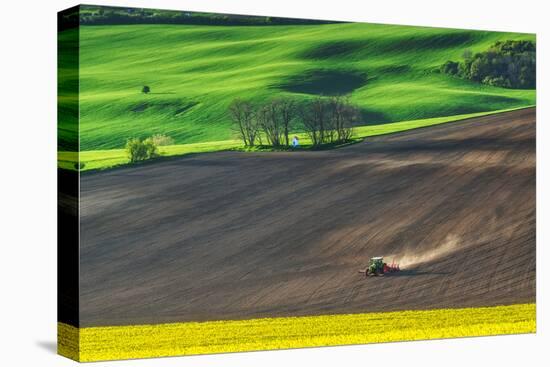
(376, 266)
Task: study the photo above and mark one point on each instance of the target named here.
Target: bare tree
(314, 119)
(350, 116)
(270, 120)
(262, 120)
(343, 115)
(287, 111)
(275, 118)
(242, 113)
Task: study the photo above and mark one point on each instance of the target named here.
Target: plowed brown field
(237, 235)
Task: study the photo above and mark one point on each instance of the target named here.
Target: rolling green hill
(194, 72)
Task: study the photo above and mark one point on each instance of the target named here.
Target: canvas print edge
(140, 341)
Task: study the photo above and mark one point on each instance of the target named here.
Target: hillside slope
(242, 235)
(195, 71)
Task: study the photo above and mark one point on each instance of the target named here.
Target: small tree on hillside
(145, 89)
(140, 150)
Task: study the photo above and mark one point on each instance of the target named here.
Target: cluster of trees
(508, 64)
(329, 120)
(324, 120)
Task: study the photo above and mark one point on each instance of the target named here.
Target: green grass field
(195, 72)
(103, 159)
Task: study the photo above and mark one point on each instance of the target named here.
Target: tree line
(112, 15)
(508, 64)
(324, 120)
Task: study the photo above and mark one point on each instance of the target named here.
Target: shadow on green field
(355, 48)
(325, 82)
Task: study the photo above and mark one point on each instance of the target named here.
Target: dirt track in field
(243, 235)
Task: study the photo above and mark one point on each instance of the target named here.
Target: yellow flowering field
(141, 341)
